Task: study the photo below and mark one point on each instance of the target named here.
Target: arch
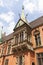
(36, 32)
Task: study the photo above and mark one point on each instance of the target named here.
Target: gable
(22, 20)
(19, 23)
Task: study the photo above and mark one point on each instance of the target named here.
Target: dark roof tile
(6, 38)
(37, 22)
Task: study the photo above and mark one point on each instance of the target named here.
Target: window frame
(19, 62)
(38, 39)
(8, 51)
(40, 57)
(16, 39)
(21, 36)
(6, 61)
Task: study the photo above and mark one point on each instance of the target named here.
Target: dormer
(22, 21)
(22, 34)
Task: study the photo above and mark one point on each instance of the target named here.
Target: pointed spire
(22, 15)
(1, 34)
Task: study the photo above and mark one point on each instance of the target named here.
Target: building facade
(25, 45)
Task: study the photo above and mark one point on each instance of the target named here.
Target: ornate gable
(22, 20)
(20, 23)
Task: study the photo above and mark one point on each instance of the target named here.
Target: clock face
(20, 23)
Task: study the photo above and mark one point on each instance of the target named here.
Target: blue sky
(10, 10)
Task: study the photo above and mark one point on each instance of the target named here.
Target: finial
(26, 15)
(2, 27)
(22, 14)
(22, 7)
(19, 14)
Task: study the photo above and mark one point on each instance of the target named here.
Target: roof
(33, 24)
(22, 20)
(8, 37)
(37, 22)
(0, 40)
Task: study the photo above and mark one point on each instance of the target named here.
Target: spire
(22, 15)
(1, 34)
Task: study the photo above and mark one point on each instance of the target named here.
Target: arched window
(37, 37)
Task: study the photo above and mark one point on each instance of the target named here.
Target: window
(16, 39)
(37, 39)
(2, 50)
(21, 36)
(6, 62)
(20, 60)
(29, 38)
(33, 63)
(9, 47)
(40, 58)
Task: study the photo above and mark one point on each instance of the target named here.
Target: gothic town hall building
(25, 45)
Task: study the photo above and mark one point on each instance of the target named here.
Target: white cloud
(1, 3)
(33, 5)
(8, 17)
(1, 24)
(8, 3)
(40, 5)
(29, 6)
(10, 27)
(16, 0)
